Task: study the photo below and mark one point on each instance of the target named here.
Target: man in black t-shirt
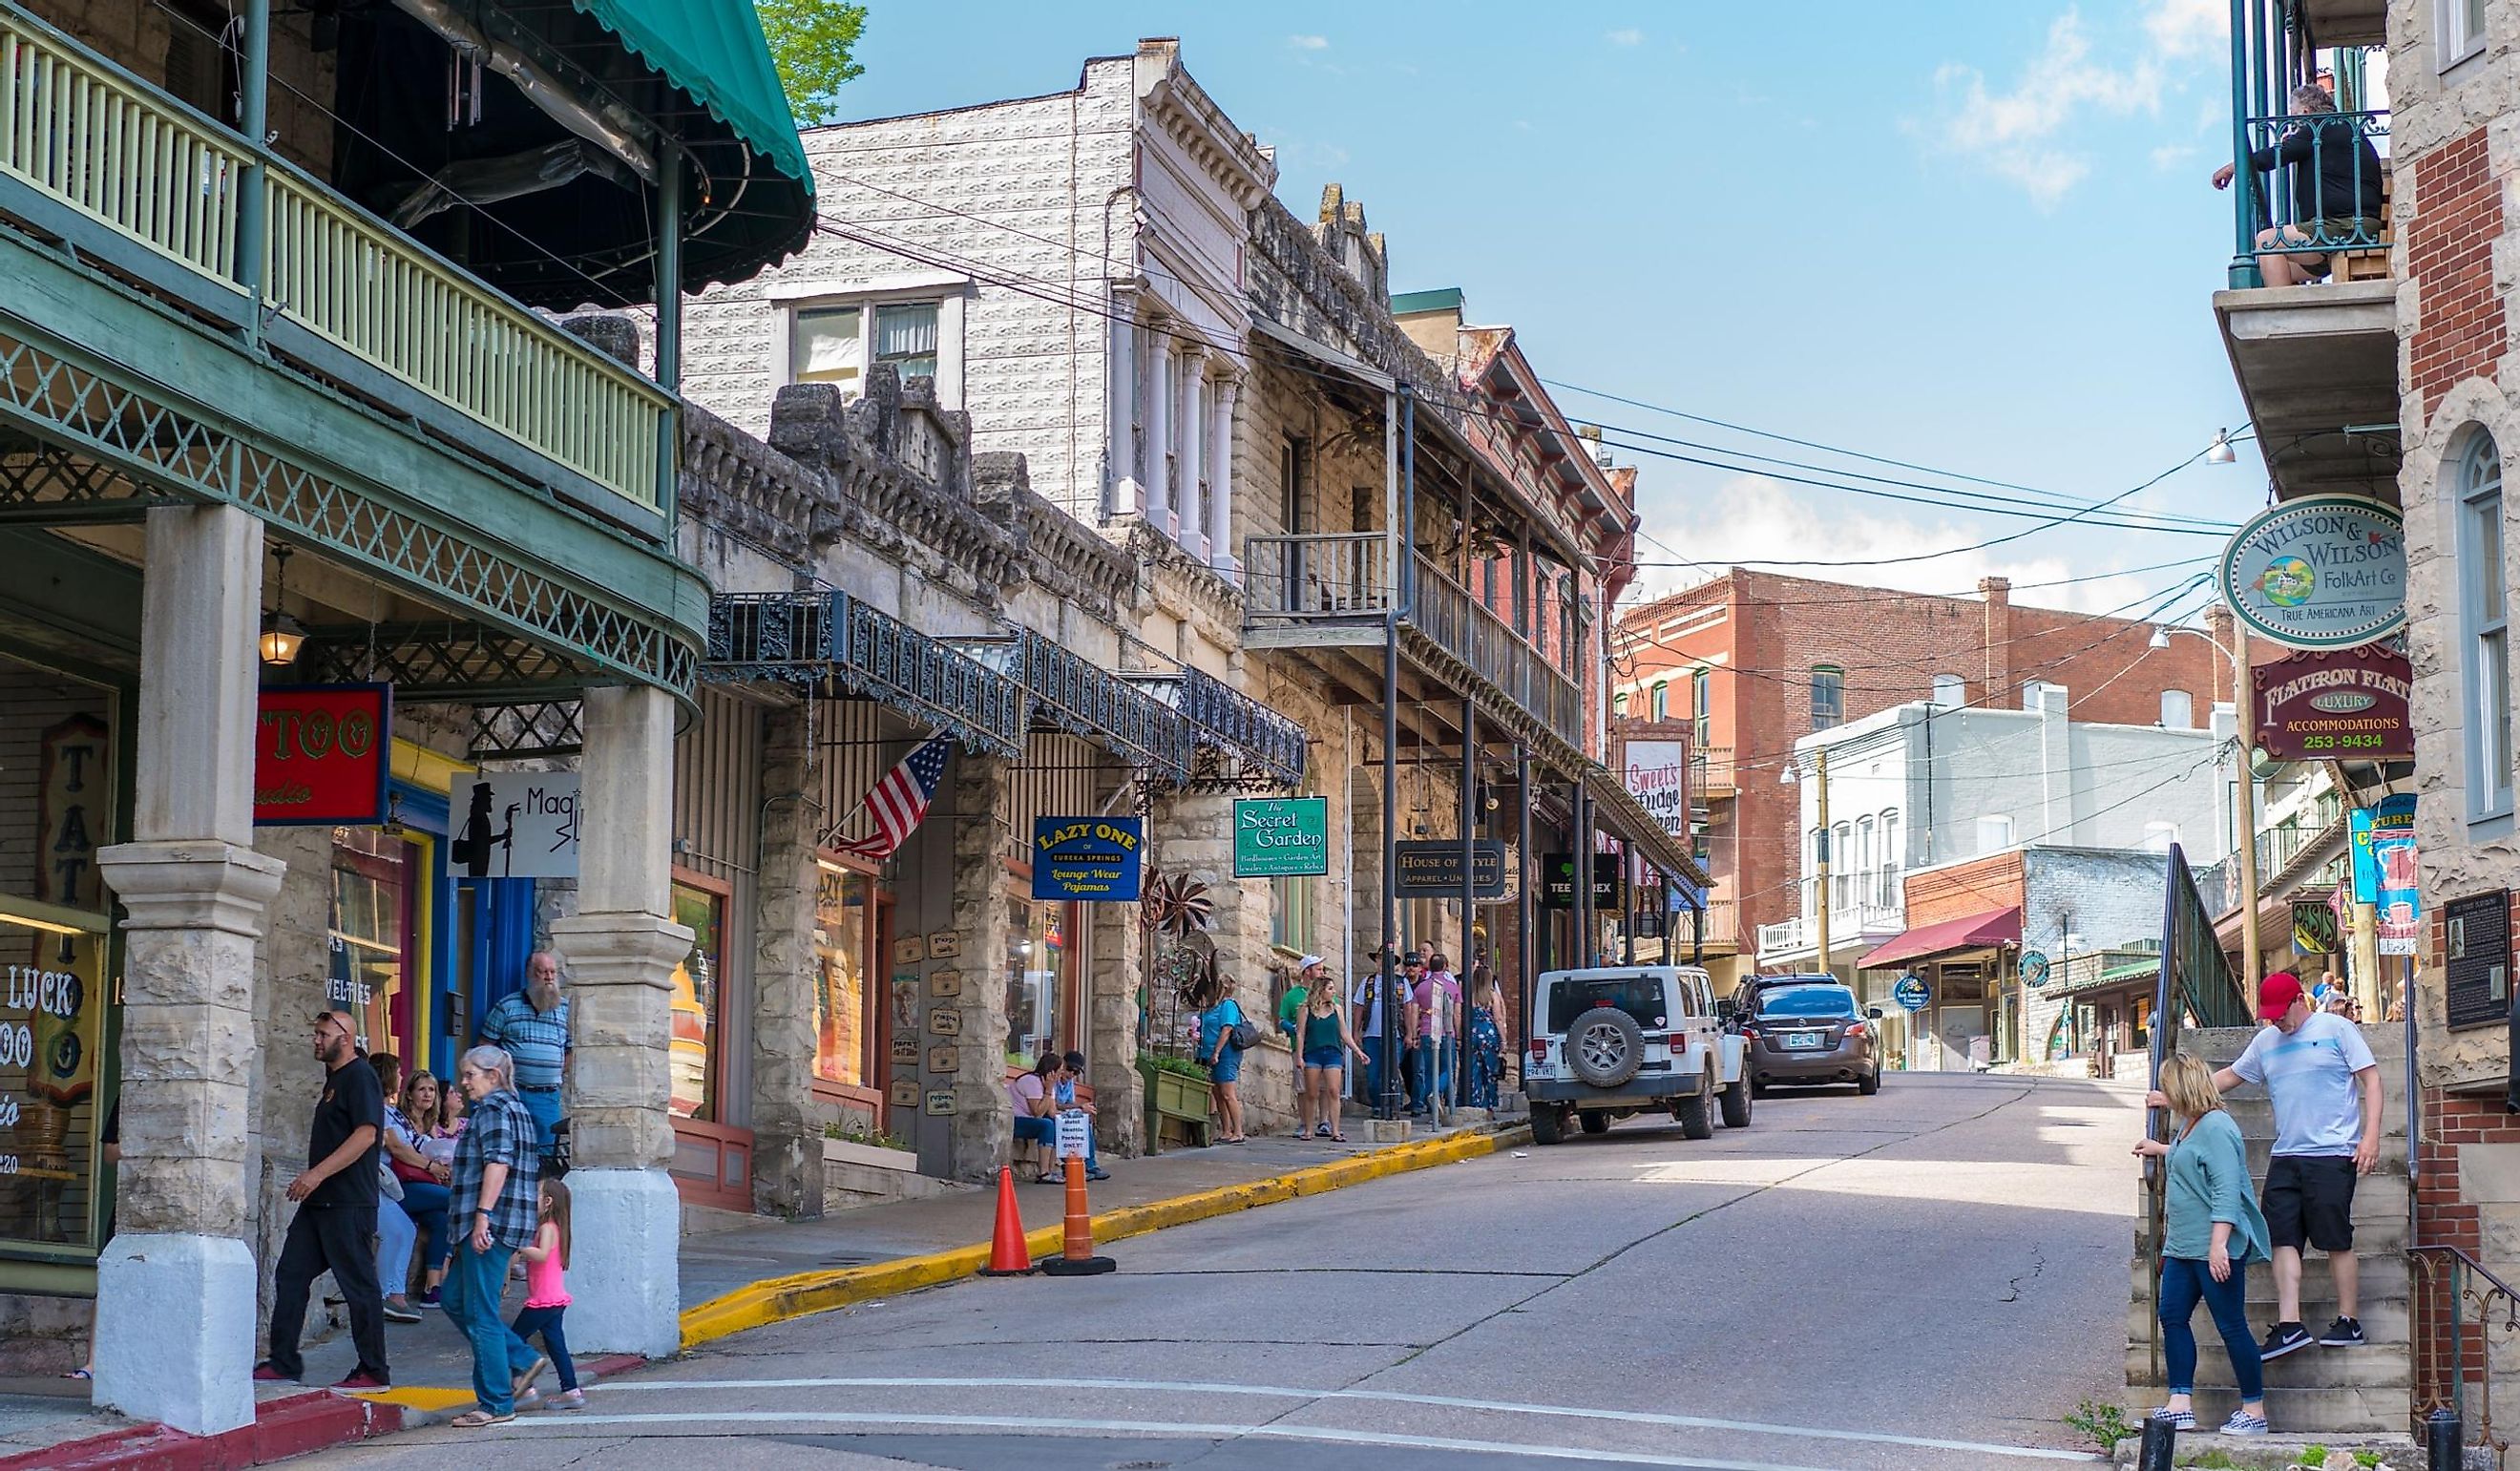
(335, 1228)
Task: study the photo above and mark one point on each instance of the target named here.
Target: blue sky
(1971, 234)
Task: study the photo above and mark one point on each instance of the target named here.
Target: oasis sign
(1282, 837)
(2318, 572)
(2345, 704)
(321, 754)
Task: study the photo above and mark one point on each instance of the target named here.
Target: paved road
(1928, 1278)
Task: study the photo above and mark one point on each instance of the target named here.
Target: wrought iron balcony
(828, 638)
(1224, 720)
(235, 232)
(1445, 612)
(2327, 195)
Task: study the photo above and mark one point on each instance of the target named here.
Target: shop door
(1955, 1028)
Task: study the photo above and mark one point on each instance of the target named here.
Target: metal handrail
(2433, 1389)
(2327, 225)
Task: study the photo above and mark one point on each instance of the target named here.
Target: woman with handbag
(1224, 1033)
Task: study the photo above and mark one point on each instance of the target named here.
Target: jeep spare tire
(1606, 1046)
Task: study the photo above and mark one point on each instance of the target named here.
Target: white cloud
(2188, 27)
(2019, 132)
(1752, 516)
(1626, 35)
(1309, 43)
(2172, 154)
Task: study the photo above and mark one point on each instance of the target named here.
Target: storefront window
(842, 899)
(372, 894)
(698, 983)
(58, 807)
(1036, 976)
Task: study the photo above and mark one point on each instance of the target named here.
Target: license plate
(1803, 1039)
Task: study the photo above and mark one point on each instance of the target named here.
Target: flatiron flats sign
(2345, 704)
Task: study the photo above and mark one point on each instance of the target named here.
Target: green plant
(2104, 1425)
(2366, 1459)
(855, 1133)
(1181, 1066)
(2314, 1455)
(2212, 1461)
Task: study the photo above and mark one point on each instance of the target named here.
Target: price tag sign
(1075, 1134)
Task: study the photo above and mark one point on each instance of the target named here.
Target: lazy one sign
(2342, 705)
(2318, 572)
(321, 754)
(513, 825)
(1282, 837)
(1087, 858)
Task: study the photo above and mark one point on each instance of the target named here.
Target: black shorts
(2309, 1200)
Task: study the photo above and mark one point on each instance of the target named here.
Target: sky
(1973, 235)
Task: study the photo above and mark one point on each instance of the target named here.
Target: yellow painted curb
(425, 1398)
(780, 1299)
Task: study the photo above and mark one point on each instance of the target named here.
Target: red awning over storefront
(1976, 932)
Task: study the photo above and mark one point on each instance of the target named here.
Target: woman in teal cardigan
(2211, 1231)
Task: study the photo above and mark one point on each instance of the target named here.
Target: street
(1930, 1277)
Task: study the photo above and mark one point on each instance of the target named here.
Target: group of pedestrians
(2325, 1086)
(462, 1173)
(1436, 1032)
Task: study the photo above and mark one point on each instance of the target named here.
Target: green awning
(713, 50)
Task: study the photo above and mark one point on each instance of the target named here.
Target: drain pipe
(608, 125)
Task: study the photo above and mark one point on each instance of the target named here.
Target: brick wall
(2459, 333)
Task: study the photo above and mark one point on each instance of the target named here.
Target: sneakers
(1107, 1174)
(574, 1400)
(426, 1299)
(361, 1379)
(2344, 1333)
(2244, 1423)
(2178, 1419)
(397, 1313)
(2282, 1339)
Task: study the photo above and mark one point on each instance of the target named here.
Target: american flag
(898, 801)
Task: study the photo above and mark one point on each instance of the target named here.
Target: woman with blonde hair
(1326, 1040)
(2211, 1231)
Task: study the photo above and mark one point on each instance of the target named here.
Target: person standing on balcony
(2325, 1087)
(2336, 190)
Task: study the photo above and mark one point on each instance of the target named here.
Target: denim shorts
(1228, 1066)
(1328, 1057)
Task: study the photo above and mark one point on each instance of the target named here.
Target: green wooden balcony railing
(2328, 184)
(84, 133)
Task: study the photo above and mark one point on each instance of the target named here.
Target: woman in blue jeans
(2211, 1231)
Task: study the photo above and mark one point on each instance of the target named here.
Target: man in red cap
(2314, 1064)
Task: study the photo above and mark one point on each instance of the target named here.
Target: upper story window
(1619, 704)
(834, 344)
(1950, 691)
(2484, 629)
(2178, 711)
(1828, 697)
(1701, 708)
(2459, 32)
(1994, 832)
(1661, 706)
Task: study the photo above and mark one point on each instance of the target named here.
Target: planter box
(874, 1156)
(1180, 1097)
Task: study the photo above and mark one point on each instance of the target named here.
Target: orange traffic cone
(1007, 1254)
(1077, 1257)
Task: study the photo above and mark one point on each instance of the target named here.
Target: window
(841, 902)
(694, 997)
(2461, 33)
(828, 344)
(1701, 708)
(1868, 882)
(2177, 712)
(1290, 914)
(1950, 691)
(1841, 880)
(1619, 704)
(373, 877)
(1661, 700)
(2485, 672)
(1291, 488)
(1892, 860)
(1994, 832)
(1828, 697)
(1036, 979)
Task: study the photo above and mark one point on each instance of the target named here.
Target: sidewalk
(741, 1279)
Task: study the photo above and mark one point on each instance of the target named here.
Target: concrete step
(2375, 1366)
(2279, 1452)
(2219, 1046)
(2348, 1410)
(2384, 1277)
(2384, 1319)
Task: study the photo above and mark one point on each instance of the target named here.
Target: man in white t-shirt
(1370, 1011)
(2325, 1087)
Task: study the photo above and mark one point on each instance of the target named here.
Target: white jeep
(1619, 1040)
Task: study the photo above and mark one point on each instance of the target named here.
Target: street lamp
(1787, 778)
(2219, 452)
(2246, 796)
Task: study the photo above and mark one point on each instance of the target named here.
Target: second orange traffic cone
(1009, 1256)
(1077, 1260)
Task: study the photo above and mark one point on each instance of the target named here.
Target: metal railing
(90, 136)
(1318, 576)
(2315, 215)
(1711, 773)
(1461, 626)
(1847, 924)
(2449, 1285)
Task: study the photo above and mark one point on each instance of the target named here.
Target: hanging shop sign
(2338, 704)
(2393, 853)
(515, 825)
(1433, 869)
(1658, 777)
(1282, 837)
(321, 754)
(1088, 857)
(1912, 993)
(2033, 967)
(2365, 872)
(2476, 959)
(1557, 881)
(73, 808)
(2318, 572)
(2313, 929)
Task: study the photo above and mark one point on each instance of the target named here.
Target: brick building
(1752, 661)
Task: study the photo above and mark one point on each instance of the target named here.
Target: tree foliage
(810, 41)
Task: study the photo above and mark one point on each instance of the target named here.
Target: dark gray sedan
(1812, 1034)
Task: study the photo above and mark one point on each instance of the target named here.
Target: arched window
(1619, 704)
(1950, 691)
(1828, 697)
(2484, 629)
(2177, 712)
(1841, 880)
(1661, 709)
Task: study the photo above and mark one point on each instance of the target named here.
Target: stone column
(786, 1142)
(621, 951)
(1111, 1032)
(981, 1131)
(1219, 484)
(175, 1321)
(1157, 470)
(1191, 527)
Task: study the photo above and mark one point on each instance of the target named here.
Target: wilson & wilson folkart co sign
(2318, 572)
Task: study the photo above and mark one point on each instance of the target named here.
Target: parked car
(1745, 1001)
(1811, 1031)
(1621, 1039)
